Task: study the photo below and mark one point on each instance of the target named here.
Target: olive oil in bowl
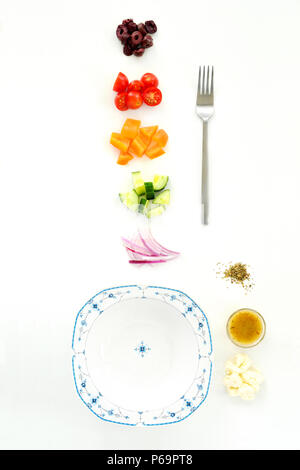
(246, 328)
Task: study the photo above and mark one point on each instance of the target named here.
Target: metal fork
(205, 110)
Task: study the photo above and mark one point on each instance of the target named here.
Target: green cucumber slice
(154, 211)
(143, 205)
(146, 207)
(122, 196)
(160, 182)
(163, 197)
(149, 190)
(130, 199)
(138, 182)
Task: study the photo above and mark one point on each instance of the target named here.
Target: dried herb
(237, 274)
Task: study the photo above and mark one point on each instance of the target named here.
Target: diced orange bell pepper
(161, 137)
(154, 150)
(124, 158)
(130, 128)
(138, 146)
(148, 131)
(119, 142)
(145, 138)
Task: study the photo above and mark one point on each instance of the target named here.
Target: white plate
(142, 355)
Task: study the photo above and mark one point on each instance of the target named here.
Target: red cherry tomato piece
(121, 83)
(152, 96)
(149, 80)
(121, 101)
(134, 99)
(136, 85)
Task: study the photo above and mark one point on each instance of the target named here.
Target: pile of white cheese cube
(241, 378)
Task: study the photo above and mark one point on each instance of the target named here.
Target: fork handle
(204, 185)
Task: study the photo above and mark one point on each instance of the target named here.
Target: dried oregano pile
(237, 274)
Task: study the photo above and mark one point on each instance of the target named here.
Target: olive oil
(246, 327)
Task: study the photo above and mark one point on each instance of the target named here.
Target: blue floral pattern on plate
(142, 349)
(100, 405)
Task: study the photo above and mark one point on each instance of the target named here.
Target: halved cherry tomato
(152, 96)
(136, 85)
(134, 99)
(121, 83)
(121, 101)
(149, 80)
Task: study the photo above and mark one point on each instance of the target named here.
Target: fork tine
(208, 80)
(212, 81)
(199, 80)
(203, 84)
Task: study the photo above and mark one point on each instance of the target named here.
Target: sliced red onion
(166, 250)
(135, 255)
(130, 254)
(133, 261)
(135, 248)
(143, 240)
(142, 250)
(154, 246)
(140, 253)
(138, 256)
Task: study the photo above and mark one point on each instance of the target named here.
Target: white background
(61, 220)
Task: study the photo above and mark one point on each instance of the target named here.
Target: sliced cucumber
(160, 182)
(163, 197)
(130, 199)
(138, 182)
(143, 206)
(122, 196)
(146, 207)
(149, 190)
(154, 211)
